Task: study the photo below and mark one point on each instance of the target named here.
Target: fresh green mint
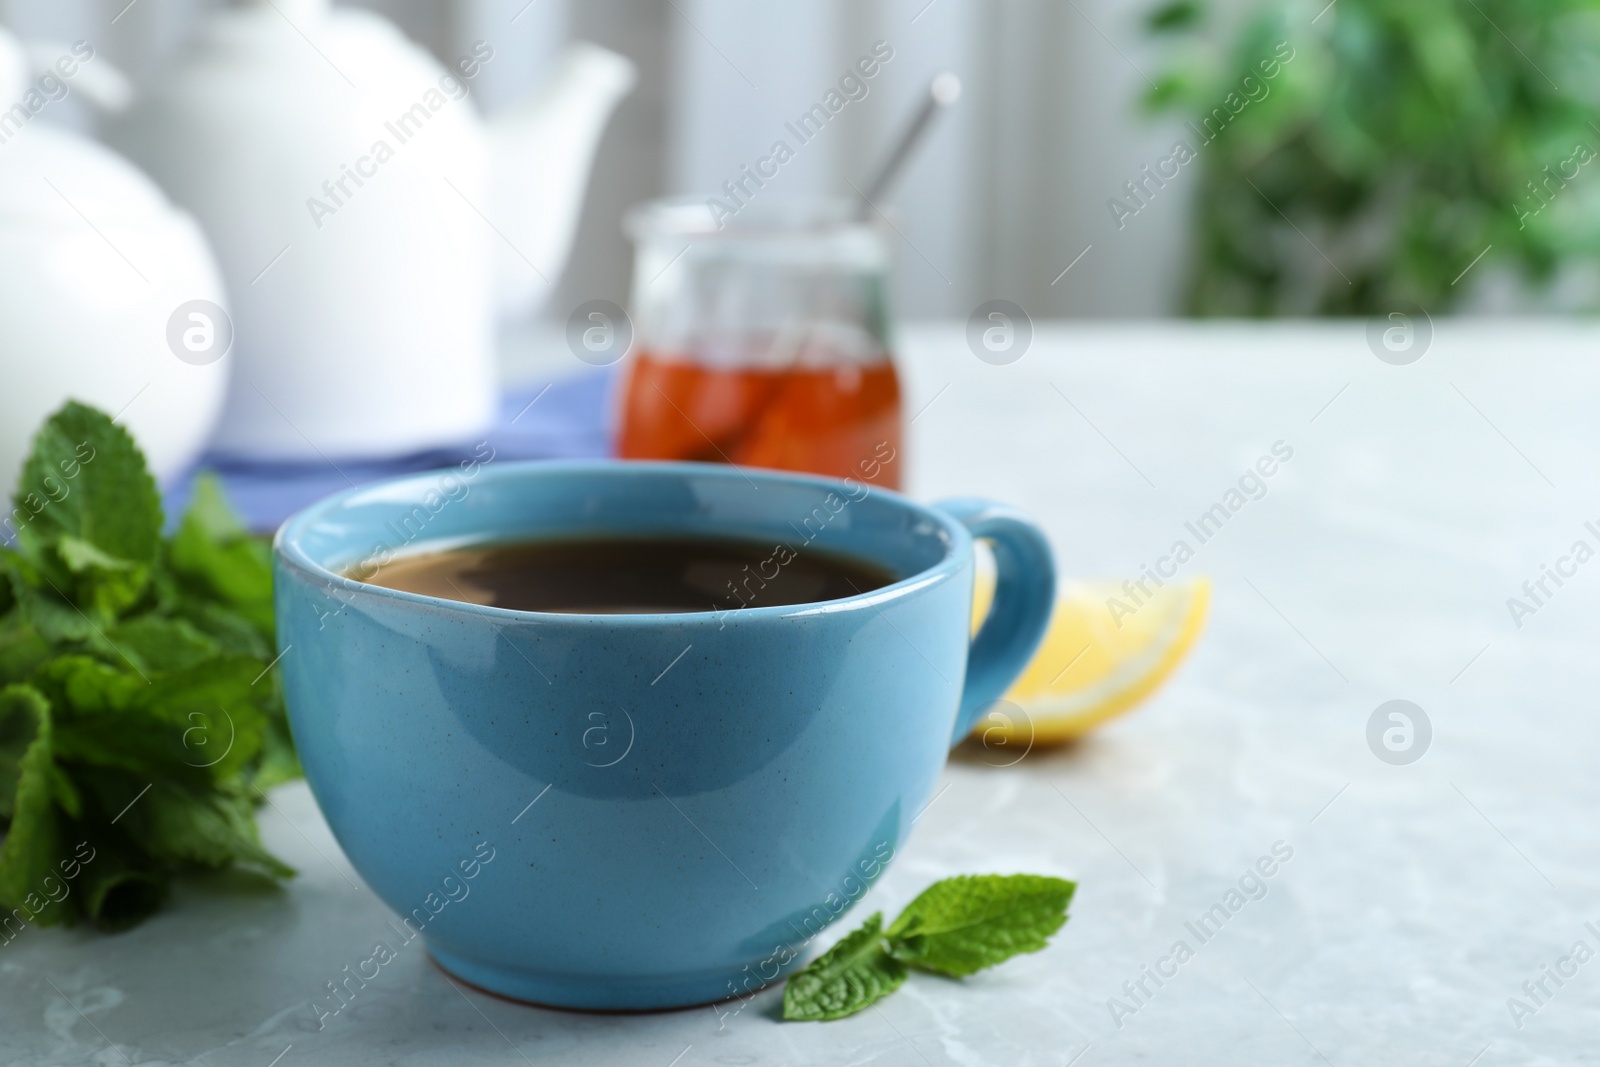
(139, 719)
(845, 979)
(955, 927)
(962, 925)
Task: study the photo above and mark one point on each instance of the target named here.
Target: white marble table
(1377, 566)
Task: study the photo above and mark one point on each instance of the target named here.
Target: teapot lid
(48, 173)
(278, 31)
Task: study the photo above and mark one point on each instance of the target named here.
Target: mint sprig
(138, 717)
(955, 927)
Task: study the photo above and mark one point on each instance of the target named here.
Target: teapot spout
(543, 150)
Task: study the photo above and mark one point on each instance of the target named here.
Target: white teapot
(99, 275)
(370, 226)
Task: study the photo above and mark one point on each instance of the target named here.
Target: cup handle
(1024, 598)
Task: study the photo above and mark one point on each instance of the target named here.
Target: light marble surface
(1377, 566)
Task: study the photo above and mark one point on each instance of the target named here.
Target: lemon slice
(1089, 668)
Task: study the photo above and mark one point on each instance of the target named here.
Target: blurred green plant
(1403, 139)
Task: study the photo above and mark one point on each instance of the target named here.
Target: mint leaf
(22, 648)
(22, 708)
(961, 925)
(211, 830)
(44, 605)
(279, 763)
(213, 704)
(157, 644)
(31, 846)
(231, 630)
(213, 553)
(849, 977)
(104, 584)
(210, 516)
(86, 479)
(66, 794)
(81, 683)
(116, 898)
(117, 886)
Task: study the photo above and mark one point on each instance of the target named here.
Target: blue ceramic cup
(637, 811)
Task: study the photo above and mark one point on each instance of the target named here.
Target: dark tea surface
(605, 576)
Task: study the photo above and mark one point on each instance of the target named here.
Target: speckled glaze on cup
(673, 804)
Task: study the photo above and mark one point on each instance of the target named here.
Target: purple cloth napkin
(564, 419)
